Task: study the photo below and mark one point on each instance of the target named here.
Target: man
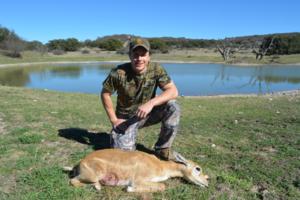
(137, 104)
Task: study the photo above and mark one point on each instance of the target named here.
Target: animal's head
(191, 171)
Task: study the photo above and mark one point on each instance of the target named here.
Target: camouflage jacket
(133, 89)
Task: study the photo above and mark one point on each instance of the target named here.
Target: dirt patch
(7, 183)
(222, 189)
(263, 192)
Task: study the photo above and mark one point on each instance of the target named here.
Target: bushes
(110, 44)
(286, 44)
(70, 44)
(85, 51)
(13, 54)
(58, 52)
(11, 43)
(158, 45)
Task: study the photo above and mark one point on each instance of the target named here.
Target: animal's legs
(146, 187)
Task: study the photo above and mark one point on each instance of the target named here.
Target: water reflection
(268, 74)
(258, 76)
(191, 79)
(14, 77)
(66, 71)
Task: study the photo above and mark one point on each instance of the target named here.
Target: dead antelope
(137, 170)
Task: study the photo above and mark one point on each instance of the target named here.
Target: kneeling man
(137, 103)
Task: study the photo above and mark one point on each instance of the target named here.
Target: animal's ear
(179, 158)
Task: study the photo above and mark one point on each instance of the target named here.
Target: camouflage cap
(139, 42)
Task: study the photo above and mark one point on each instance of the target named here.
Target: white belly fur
(159, 178)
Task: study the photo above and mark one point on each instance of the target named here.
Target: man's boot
(164, 154)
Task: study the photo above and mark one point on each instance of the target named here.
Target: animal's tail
(71, 171)
(68, 169)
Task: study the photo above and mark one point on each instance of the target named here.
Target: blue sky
(45, 20)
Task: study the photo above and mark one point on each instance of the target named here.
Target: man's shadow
(100, 140)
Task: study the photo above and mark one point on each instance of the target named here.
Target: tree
(158, 45)
(227, 48)
(36, 46)
(263, 47)
(4, 33)
(14, 45)
(71, 44)
(286, 44)
(89, 43)
(110, 44)
(33, 45)
(56, 44)
(125, 46)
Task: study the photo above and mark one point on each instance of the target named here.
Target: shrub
(158, 45)
(58, 52)
(71, 44)
(85, 51)
(13, 54)
(122, 51)
(110, 44)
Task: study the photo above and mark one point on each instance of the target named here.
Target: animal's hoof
(97, 186)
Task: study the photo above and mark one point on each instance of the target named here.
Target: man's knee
(173, 113)
(123, 141)
(119, 144)
(173, 106)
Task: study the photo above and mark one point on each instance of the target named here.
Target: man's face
(139, 59)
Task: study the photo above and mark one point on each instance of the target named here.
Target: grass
(30, 56)
(249, 146)
(195, 55)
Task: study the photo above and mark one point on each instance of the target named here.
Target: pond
(191, 79)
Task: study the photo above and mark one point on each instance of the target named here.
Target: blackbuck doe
(139, 171)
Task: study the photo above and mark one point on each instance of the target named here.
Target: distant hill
(183, 42)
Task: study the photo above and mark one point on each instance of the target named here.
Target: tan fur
(139, 171)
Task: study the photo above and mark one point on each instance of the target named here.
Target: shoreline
(120, 61)
(290, 93)
(272, 94)
(55, 62)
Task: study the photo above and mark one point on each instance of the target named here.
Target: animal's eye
(198, 169)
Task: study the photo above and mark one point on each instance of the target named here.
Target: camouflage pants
(124, 135)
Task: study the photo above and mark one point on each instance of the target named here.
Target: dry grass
(177, 55)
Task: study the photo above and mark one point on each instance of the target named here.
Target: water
(191, 79)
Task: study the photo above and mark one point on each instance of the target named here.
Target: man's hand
(117, 122)
(144, 110)
(109, 108)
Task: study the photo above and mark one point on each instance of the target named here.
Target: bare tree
(14, 45)
(42, 49)
(126, 43)
(125, 47)
(227, 49)
(261, 48)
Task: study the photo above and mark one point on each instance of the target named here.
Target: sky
(45, 20)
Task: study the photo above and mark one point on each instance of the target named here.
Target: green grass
(249, 146)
